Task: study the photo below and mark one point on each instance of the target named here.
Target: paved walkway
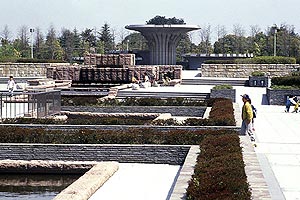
(277, 140)
(277, 145)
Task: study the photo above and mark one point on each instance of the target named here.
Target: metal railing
(30, 104)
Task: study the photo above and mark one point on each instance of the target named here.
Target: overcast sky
(118, 13)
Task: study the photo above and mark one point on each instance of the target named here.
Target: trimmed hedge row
(127, 136)
(256, 60)
(83, 120)
(219, 172)
(221, 114)
(293, 81)
(86, 101)
(29, 60)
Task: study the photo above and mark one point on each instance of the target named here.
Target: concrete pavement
(277, 139)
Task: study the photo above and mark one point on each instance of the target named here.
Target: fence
(30, 104)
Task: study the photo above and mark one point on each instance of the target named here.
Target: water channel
(33, 187)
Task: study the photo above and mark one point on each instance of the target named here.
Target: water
(33, 187)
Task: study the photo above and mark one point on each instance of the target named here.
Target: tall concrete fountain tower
(162, 40)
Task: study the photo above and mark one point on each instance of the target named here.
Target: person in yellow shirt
(247, 116)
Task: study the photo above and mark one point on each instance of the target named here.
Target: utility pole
(31, 31)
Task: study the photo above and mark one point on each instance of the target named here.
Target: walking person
(254, 110)
(247, 116)
(290, 101)
(11, 86)
(296, 106)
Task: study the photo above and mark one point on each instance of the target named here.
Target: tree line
(71, 43)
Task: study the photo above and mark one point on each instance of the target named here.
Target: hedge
(94, 101)
(286, 81)
(221, 114)
(219, 172)
(256, 60)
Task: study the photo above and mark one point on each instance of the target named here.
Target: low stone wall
(26, 69)
(45, 166)
(155, 154)
(229, 94)
(245, 70)
(192, 111)
(259, 81)
(279, 97)
(89, 183)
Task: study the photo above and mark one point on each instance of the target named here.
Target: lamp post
(127, 45)
(274, 31)
(31, 31)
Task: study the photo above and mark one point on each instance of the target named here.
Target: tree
(39, 46)
(5, 35)
(184, 46)
(162, 20)
(135, 41)
(89, 39)
(66, 41)
(21, 44)
(78, 48)
(53, 48)
(122, 35)
(205, 45)
(8, 51)
(107, 38)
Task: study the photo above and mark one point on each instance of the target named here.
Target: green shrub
(286, 81)
(219, 172)
(221, 114)
(284, 87)
(124, 136)
(256, 60)
(267, 60)
(258, 73)
(222, 87)
(94, 101)
(219, 62)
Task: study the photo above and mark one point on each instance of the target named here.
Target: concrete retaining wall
(229, 94)
(245, 70)
(155, 154)
(279, 97)
(26, 69)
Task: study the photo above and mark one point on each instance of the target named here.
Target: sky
(93, 14)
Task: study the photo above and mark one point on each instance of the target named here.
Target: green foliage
(293, 81)
(161, 20)
(257, 73)
(219, 172)
(93, 101)
(284, 87)
(267, 60)
(7, 51)
(221, 114)
(84, 120)
(135, 41)
(125, 136)
(107, 38)
(223, 87)
(219, 62)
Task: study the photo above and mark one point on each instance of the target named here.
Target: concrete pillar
(162, 40)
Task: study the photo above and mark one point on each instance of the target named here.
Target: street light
(31, 31)
(274, 29)
(127, 45)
